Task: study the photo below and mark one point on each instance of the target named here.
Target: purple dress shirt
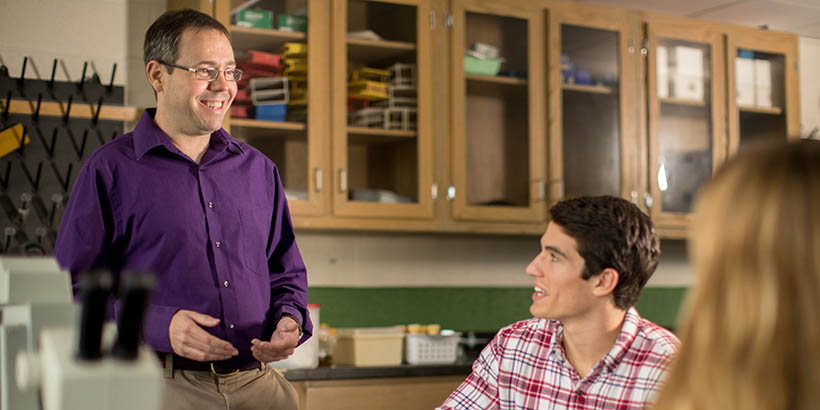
(218, 234)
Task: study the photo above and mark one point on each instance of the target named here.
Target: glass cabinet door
(382, 152)
(763, 87)
(593, 135)
(497, 112)
(280, 107)
(686, 116)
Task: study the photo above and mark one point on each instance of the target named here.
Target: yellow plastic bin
(369, 346)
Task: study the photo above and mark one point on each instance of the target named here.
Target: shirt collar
(147, 135)
(629, 330)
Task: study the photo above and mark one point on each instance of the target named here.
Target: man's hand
(282, 342)
(189, 340)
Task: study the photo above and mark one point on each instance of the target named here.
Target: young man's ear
(605, 282)
(154, 71)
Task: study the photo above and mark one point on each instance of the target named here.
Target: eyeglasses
(209, 73)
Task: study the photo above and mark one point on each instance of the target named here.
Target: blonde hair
(750, 333)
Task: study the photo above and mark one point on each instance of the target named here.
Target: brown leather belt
(218, 369)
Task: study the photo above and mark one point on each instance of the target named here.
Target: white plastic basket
(427, 349)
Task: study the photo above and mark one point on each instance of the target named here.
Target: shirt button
(231, 326)
(226, 283)
(218, 244)
(210, 204)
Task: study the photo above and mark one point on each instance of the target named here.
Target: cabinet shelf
(683, 101)
(263, 39)
(496, 79)
(363, 135)
(593, 89)
(761, 110)
(366, 51)
(251, 128)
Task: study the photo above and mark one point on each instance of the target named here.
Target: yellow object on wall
(10, 139)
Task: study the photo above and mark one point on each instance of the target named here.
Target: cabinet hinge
(448, 20)
(317, 174)
(434, 191)
(432, 20)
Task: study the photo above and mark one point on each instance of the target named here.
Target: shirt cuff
(155, 327)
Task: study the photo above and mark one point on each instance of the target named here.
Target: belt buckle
(217, 374)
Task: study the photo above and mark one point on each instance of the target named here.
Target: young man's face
(197, 107)
(560, 292)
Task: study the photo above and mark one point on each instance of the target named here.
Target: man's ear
(605, 282)
(156, 75)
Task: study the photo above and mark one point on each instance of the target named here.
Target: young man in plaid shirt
(586, 347)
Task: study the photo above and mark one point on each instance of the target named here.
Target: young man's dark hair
(611, 233)
(162, 38)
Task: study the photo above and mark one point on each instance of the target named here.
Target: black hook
(35, 182)
(111, 83)
(4, 182)
(114, 135)
(9, 232)
(21, 150)
(23, 71)
(82, 78)
(100, 136)
(53, 73)
(49, 147)
(63, 182)
(97, 114)
(36, 116)
(68, 109)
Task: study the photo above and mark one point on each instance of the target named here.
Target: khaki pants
(257, 389)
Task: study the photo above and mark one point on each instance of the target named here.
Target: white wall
(386, 260)
(102, 32)
(809, 50)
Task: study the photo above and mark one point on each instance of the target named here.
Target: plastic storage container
(369, 346)
(427, 349)
(483, 66)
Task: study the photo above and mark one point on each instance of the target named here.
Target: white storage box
(369, 346)
(745, 81)
(306, 355)
(431, 349)
(763, 83)
(662, 71)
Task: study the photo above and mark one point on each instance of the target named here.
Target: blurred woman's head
(750, 331)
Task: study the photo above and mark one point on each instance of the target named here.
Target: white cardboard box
(688, 74)
(662, 71)
(763, 83)
(745, 81)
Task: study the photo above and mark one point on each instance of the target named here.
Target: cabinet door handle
(647, 199)
(634, 197)
(541, 189)
(342, 181)
(434, 191)
(317, 175)
(451, 193)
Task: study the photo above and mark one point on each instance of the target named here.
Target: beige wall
(102, 32)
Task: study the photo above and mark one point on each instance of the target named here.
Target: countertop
(354, 372)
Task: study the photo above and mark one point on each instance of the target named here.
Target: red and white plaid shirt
(525, 367)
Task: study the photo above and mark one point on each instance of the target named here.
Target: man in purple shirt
(180, 197)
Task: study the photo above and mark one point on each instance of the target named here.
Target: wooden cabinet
(593, 100)
(589, 100)
(409, 393)
(686, 105)
(382, 148)
(499, 131)
(761, 112)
